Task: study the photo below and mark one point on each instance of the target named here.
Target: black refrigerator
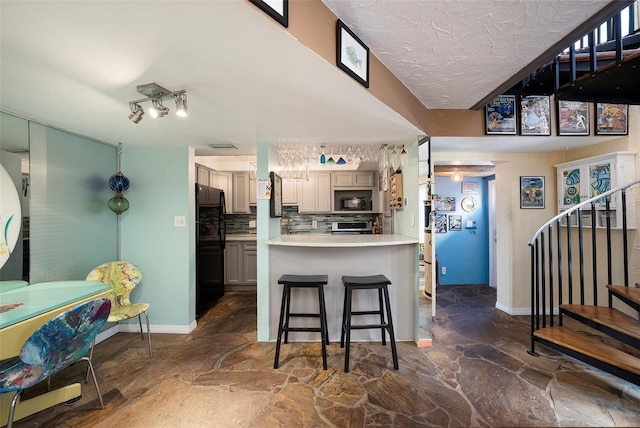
(210, 243)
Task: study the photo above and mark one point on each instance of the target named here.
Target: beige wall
(314, 25)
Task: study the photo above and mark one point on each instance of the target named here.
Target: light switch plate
(179, 221)
(252, 223)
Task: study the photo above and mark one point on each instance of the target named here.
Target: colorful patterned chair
(58, 343)
(122, 277)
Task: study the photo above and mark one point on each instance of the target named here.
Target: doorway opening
(464, 222)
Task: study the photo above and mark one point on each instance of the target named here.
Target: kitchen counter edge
(333, 241)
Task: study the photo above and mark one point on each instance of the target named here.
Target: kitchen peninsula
(336, 255)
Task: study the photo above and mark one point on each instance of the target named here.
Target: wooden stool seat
(371, 282)
(302, 281)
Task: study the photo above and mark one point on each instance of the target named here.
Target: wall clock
(469, 204)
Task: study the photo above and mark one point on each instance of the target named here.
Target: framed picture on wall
(470, 187)
(532, 192)
(277, 9)
(440, 223)
(455, 222)
(276, 195)
(611, 119)
(352, 55)
(573, 117)
(445, 203)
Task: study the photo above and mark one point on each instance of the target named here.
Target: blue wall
(162, 186)
(464, 253)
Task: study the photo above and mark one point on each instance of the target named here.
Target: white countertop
(242, 237)
(327, 240)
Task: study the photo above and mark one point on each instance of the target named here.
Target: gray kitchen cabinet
(223, 181)
(316, 194)
(241, 190)
(232, 263)
(240, 264)
(352, 178)
(249, 264)
(290, 191)
(202, 175)
(253, 191)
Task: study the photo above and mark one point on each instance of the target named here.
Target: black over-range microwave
(353, 200)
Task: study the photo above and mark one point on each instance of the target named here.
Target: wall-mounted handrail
(578, 207)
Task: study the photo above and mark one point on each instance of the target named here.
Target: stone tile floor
(477, 373)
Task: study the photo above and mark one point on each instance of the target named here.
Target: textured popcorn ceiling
(453, 53)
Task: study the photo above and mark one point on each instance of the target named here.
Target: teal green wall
(267, 228)
(72, 229)
(162, 186)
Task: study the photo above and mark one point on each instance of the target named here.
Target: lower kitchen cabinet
(240, 264)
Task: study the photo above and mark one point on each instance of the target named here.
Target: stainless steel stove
(351, 227)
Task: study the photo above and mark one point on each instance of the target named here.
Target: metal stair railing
(549, 280)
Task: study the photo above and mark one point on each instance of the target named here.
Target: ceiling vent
(223, 146)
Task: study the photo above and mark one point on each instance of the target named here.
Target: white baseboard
(170, 329)
(135, 328)
(519, 311)
(104, 335)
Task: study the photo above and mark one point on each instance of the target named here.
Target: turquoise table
(23, 310)
(12, 285)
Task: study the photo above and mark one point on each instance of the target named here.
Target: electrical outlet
(444, 270)
(314, 224)
(252, 223)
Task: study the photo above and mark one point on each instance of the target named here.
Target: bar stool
(302, 281)
(372, 282)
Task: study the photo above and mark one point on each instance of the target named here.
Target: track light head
(136, 112)
(181, 104)
(158, 110)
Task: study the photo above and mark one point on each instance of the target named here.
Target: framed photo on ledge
(573, 117)
(500, 116)
(535, 115)
(612, 119)
(277, 9)
(532, 192)
(352, 56)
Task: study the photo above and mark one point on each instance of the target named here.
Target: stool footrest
(366, 313)
(305, 315)
(302, 329)
(366, 326)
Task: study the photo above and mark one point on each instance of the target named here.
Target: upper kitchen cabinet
(241, 193)
(353, 178)
(587, 178)
(223, 181)
(315, 194)
(202, 175)
(291, 189)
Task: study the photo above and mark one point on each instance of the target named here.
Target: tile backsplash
(292, 221)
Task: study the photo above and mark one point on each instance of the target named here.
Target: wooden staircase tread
(609, 317)
(589, 346)
(631, 293)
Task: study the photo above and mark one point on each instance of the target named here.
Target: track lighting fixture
(136, 112)
(156, 94)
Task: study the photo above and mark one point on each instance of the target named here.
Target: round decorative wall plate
(10, 216)
(469, 204)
